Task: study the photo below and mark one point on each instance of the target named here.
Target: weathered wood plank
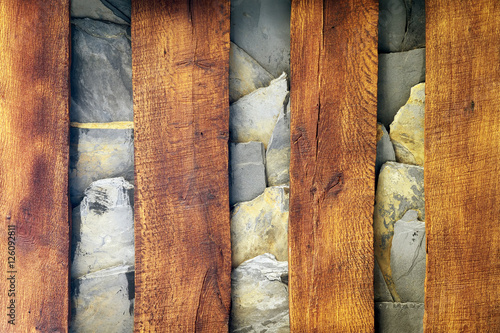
(333, 133)
(34, 150)
(181, 103)
(462, 158)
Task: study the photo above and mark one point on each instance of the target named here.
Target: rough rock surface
(399, 317)
(385, 149)
(392, 25)
(415, 26)
(121, 8)
(101, 72)
(408, 258)
(400, 188)
(259, 297)
(96, 10)
(97, 154)
(245, 74)
(247, 171)
(407, 129)
(252, 117)
(278, 151)
(398, 72)
(262, 29)
(261, 226)
(381, 292)
(103, 302)
(103, 227)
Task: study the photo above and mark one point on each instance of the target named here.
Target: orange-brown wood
(462, 166)
(34, 153)
(180, 65)
(333, 133)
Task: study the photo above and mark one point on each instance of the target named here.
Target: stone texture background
(101, 165)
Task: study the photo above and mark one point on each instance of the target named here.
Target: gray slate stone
(101, 72)
(97, 154)
(253, 117)
(248, 178)
(415, 27)
(392, 25)
(96, 10)
(399, 317)
(121, 8)
(103, 302)
(261, 226)
(259, 296)
(103, 227)
(408, 257)
(398, 72)
(278, 151)
(245, 74)
(381, 292)
(385, 149)
(262, 29)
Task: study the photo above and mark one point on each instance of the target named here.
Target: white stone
(407, 129)
(259, 297)
(408, 258)
(399, 317)
(103, 302)
(261, 226)
(245, 74)
(103, 228)
(247, 173)
(278, 151)
(252, 117)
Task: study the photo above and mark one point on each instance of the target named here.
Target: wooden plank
(34, 150)
(462, 173)
(181, 103)
(333, 133)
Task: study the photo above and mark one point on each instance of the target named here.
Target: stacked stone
(259, 156)
(101, 167)
(400, 202)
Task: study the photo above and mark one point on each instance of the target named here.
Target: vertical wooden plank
(462, 166)
(333, 125)
(34, 150)
(181, 104)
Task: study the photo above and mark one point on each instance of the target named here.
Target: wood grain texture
(462, 166)
(181, 113)
(333, 133)
(34, 150)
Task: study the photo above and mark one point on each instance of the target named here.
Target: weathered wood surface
(462, 159)
(34, 150)
(333, 133)
(180, 65)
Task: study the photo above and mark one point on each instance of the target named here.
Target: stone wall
(101, 166)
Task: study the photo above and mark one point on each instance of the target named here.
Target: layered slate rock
(385, 149)
(259, 296)
(103, 301)
(261, 226)
(98, 153)
(407, 129)
(95, 9)
(262, 28)
(245, 74)
(278, 151)
(392, 25)
(101, 72)
(103, 227)
(400, 188)
(121, 8)
(398, 72)
(401, 25)
(247, 171)
(252, 117)
(399, 317)
(408, 258)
